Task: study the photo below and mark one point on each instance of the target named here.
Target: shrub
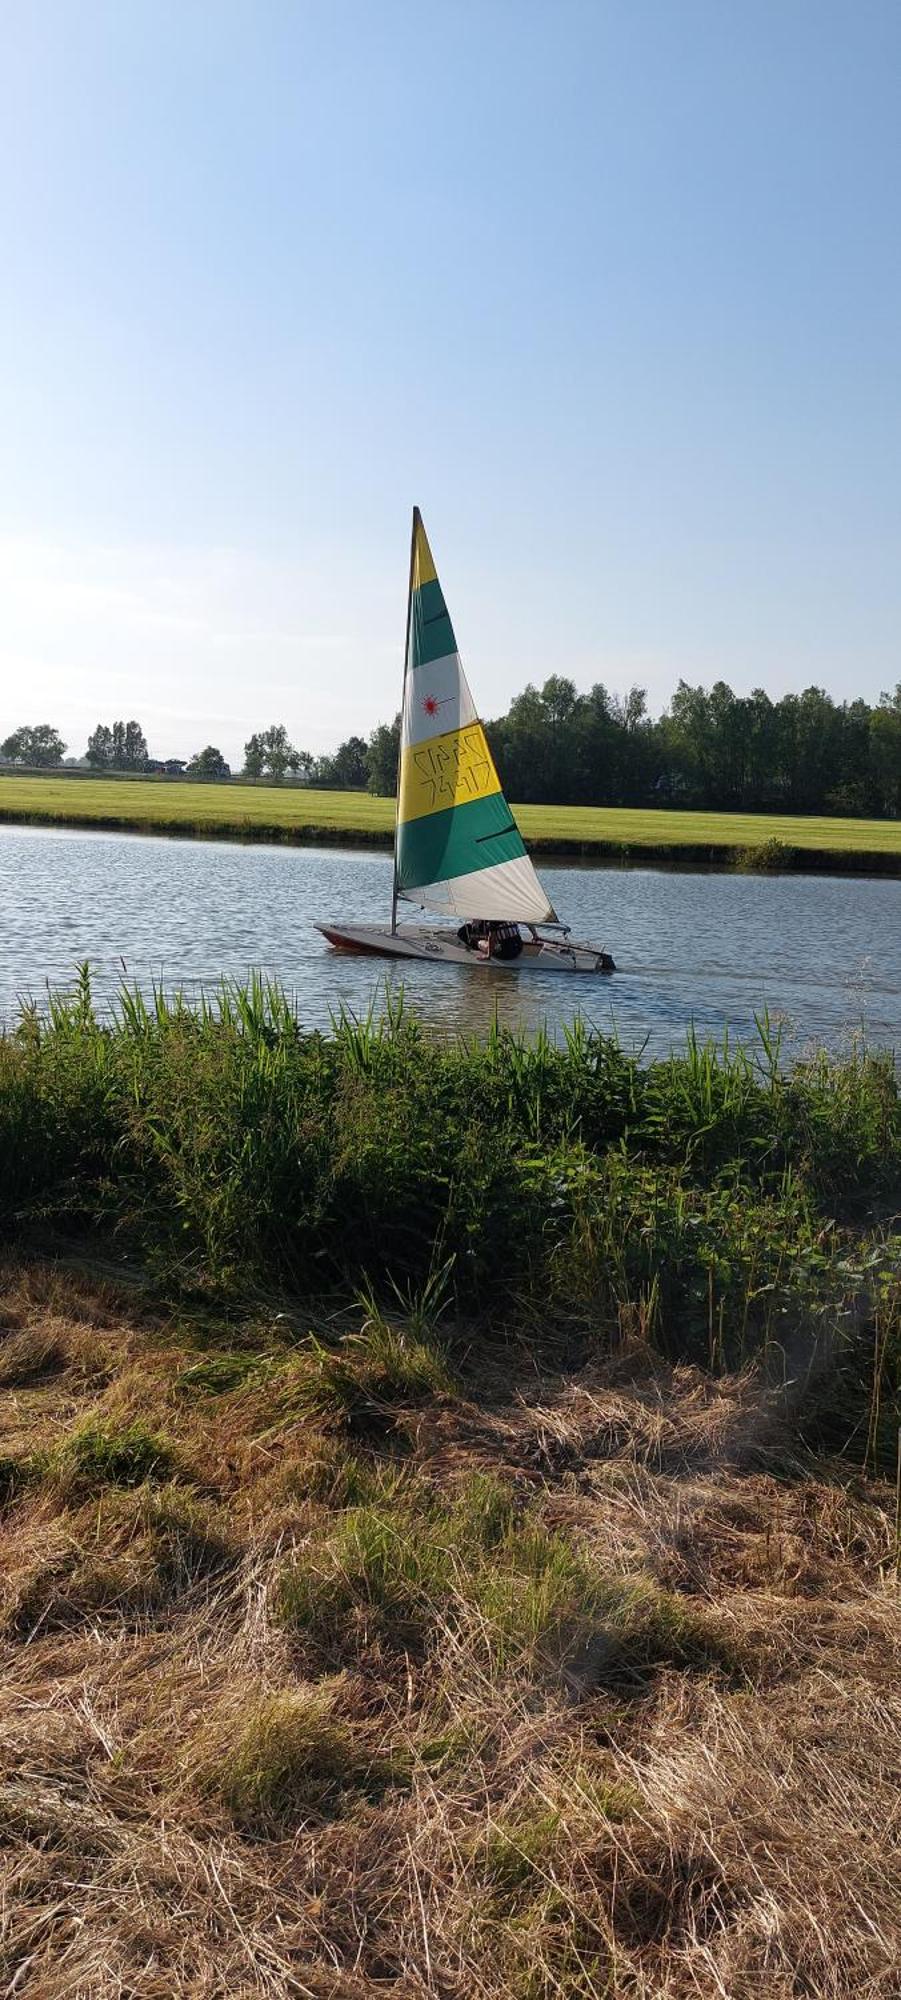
(767, 857)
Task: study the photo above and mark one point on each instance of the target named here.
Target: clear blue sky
(613, 291)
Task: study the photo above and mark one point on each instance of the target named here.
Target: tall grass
(714, 1200)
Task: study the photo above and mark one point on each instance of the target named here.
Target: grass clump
(27, 1354)
(544, 1599)
(190, 1539)
(218, 1374)
(329, 1474)
(356, 1386)
(381, 1575)
(294, 1757)
(405, 1572)
(98, 1454)
(130, 1558)
(16, 1474)
(517, 1850)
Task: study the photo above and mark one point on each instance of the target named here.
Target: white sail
(459, 848)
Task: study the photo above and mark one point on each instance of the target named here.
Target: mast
(400, 735)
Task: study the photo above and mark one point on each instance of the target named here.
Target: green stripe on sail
(459, 841)
(431, 632)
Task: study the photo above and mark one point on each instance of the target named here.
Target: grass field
(259, 812)
(449, 1533)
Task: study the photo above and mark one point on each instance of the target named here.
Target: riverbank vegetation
(223, 1140)
(301, 815)
(449, 1512)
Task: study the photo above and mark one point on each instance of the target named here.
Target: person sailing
(491, 939)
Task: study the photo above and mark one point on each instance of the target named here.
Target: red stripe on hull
(343, 943)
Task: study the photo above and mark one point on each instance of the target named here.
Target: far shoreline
(770, 855)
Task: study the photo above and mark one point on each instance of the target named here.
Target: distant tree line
(269, 754)
(710, 748)
(117, 746)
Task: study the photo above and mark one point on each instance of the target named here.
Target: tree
(208, 763)
(129, 747)
(854, 787)
(270, 752)
(279, 753)
(885, 737)
(100, 748)
(711, 748)
(253, 757)
(40, 747)
(634, 753)
(811, 747)
(47, 746)
(586, 749)
(690, 739)
(382, 754)
(762, 779)
(121, 748)
(350, 765)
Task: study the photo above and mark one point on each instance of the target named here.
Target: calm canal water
(822, 953)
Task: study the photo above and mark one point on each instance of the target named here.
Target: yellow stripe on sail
(424, 570)
(446, 771)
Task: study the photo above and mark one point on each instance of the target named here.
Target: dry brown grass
(699, 1796)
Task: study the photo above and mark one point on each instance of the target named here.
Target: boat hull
(440, 946)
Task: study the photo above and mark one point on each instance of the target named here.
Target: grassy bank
(260, 812)
(448, 1510)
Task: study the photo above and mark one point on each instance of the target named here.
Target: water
(822, 953)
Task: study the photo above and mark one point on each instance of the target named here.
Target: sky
(612, 291)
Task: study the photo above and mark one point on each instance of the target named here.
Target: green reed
(717, 1200)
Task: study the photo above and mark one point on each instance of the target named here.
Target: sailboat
(457, 847)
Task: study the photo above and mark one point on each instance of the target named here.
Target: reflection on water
(821, 953)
